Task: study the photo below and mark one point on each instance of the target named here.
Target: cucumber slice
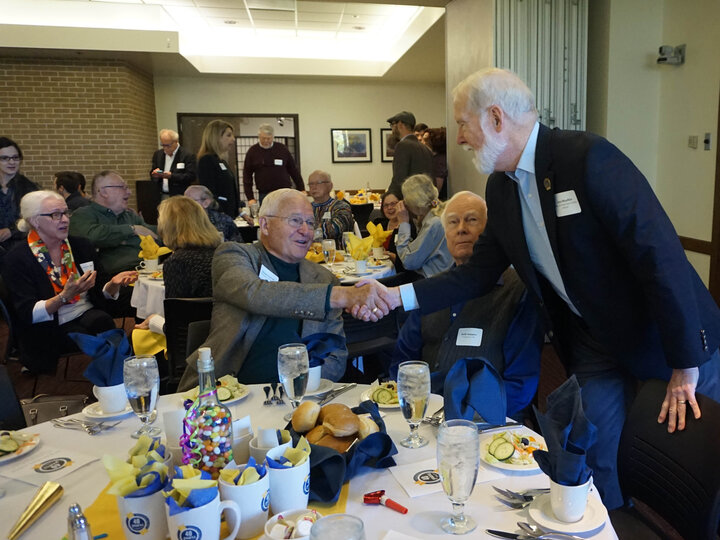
(494, 444)
(224, 394)
(382, 395)
(7, 444)
(503, 451)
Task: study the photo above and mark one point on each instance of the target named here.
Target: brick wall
(82, 115)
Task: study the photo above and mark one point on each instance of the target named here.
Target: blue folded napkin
(196, 498)
(472, 386)
(329, 469)
(108, 351)
(320, 345)
(568, 435)
(156, 484)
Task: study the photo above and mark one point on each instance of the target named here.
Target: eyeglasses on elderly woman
(56, 216)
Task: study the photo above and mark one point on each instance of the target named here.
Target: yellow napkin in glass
(377, 234)
(248, 476)
(298, 455)
(147, 342)
(360, 247)
(182, 488)
(150, 249)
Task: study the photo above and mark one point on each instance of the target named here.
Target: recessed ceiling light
(358, 27)
(230, 21)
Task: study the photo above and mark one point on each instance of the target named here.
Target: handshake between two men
(368, 300)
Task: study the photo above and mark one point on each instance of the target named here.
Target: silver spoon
(535, 530)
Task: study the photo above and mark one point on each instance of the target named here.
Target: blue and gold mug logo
(265, 502)
(306, 485)
(189, 532)
(427, 476)
(137, 523)
(52, 465)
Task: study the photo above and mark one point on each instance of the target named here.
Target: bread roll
(341, 444)
(315, 434)
(341, 423)
(367, 426)
(305, 416)
(331, 408)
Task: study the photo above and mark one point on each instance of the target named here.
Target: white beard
(487, 156)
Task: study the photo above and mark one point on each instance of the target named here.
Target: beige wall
(321, 105)
(469, 47)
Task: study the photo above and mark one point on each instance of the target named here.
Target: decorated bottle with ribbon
(207, 430)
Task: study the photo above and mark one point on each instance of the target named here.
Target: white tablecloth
(422, 520)
(148, 296)
(345, 271)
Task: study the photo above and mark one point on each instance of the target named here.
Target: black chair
(148, 195)
(374, 342)
(11, 415)
(198, 332)
(361, 213)
(179, 313)
(676, 474)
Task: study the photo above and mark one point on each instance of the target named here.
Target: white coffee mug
(173, 426)
(112, 399)
(253, 501)
(289, 486)
(241, 447)
(258, 452)
(149, 265)
(568, 503)
(361, 266)
(204, 521)
(314, 376)
(143, 517)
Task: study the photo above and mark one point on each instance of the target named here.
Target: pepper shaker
(78, 526)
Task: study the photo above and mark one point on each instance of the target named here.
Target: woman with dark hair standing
(214, 172)
(13, 187)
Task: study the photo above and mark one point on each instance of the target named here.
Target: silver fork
(523, 496)
(281, 390)
(515, 505)
(267, 401)
(436, 419)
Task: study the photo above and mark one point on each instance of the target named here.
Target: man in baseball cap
(411, 157)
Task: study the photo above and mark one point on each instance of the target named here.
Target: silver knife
(544, 536)
(483, 426)
(335, 393)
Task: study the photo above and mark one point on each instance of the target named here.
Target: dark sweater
(188, 273)
(273, 169)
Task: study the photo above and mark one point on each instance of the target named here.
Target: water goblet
(142, 383)
(328, 249)
(458, 457)
(293, 367)
(413, 394)
(346, 243)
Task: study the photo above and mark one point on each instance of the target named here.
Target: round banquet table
(422, 521)
(148, 296)
(345, 271)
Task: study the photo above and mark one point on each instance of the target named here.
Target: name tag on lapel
(469, 337)
(566, 204)
(267, 274)
(223, 167)
(87, 267)
(180, 166)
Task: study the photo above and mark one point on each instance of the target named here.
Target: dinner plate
(155, 278)
(358, 273)
(367, 396)
(30, 443)
(94, 411)
(323, 388)
(192, 394)
(593, 519)
(485, 442)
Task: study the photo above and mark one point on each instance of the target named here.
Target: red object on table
(378, 497)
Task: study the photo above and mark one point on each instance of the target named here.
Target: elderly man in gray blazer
(267, 294)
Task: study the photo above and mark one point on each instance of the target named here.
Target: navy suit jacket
(181, 178)
(620, 258)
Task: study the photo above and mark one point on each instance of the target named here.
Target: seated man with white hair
(500, 326)
(267, 294)
(333, 217)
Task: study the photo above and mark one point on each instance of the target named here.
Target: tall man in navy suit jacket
(597, 253)
(173, 167)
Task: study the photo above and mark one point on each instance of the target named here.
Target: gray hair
(267, 129)
(275, 199)
(321, 174)
(494, 86)
(458, 195)
(174, 137)
(420, 191)
(31, 206)
(205, 194)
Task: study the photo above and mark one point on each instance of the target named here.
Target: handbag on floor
(44, 407)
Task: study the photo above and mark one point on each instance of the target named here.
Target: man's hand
(389, 296)
(251, 201)
(402, 213)
(141, 230)
(157, 173)
(5, 234)
(365, 300)
(679, 396)
(248, 218)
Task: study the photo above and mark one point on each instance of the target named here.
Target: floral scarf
(58, 275)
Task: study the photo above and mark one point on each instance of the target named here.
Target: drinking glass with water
(142, 383)
(413, 394)
(293, 367)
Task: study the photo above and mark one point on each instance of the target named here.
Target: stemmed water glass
(328, 249)
(413, 394)
(142, 383)
(293, 367)
(458, 457)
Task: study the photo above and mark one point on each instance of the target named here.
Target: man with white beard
(586, 234)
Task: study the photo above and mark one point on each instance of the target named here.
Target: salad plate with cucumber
(14, 444)
(512, 450)
(229, 390)
(383, 394)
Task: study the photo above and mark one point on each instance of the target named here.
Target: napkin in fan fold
(320, 345)
(108, 351)
(472, 386)
(148, 342)
(568, 435)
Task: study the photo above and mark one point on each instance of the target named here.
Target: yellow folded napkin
(377, 234)
(298, 455)
(183, 487)
(150, 249)
(360, 247)
(147, 342)
(248, 476)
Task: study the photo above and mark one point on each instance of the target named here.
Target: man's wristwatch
(63, 299)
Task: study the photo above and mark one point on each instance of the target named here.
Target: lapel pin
(547, 184)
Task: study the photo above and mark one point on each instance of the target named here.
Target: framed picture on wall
(351, 145)
(387, 151)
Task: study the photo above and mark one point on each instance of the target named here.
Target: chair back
(11, 415)
(6, 310)
(179, 313)
(361, 213)
(676, 474)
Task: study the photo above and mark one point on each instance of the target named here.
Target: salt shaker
(78, 527)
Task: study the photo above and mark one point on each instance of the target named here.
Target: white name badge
(223, 167)
(180, 166)
(278, 162)
(469, 337)
(566, 204)
(267, 274)
(87, 267)
(326, 215)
